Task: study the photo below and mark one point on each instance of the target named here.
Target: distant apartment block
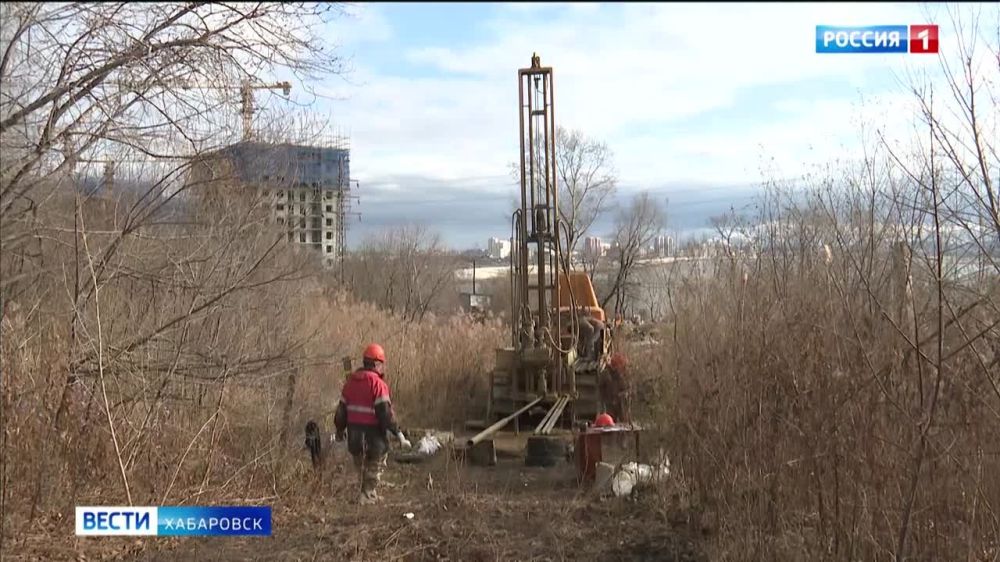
(305, 187)
(498, 248)
(662, 246)
(592, 247)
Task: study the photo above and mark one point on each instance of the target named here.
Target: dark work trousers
(369, 448)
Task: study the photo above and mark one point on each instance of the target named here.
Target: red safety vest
(361, 393)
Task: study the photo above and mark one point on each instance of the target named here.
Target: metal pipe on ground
(556, 414)
(500, 424)
(545, 420)
(550, 419)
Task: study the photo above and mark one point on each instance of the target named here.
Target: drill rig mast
(536, 223)
(540, 372)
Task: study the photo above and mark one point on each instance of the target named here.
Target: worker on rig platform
(590, 334)
(365, 412)
(614, 389)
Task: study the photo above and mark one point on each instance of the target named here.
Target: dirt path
(507, 512)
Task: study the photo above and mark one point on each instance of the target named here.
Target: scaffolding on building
(306, 183)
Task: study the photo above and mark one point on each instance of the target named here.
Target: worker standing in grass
(614, 388)
(365, 412)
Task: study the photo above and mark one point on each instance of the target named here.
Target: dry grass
(791, 407)
(504, 513)
(804, 420)
(816, 405)
(192, 371)
(788, 404)
(437, 371)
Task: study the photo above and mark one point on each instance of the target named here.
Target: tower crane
(247, 102)
(246, 88)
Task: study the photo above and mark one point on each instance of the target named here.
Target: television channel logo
(173, 521)
(911, 39)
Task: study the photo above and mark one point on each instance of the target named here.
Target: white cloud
(360, 25)
(622, 67)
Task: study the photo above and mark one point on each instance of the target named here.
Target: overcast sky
(698, 102)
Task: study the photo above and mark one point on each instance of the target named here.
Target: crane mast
(247, 102)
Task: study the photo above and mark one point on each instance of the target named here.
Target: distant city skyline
(433, 130)
(467, 222)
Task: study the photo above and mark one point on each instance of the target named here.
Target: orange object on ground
(604, 420)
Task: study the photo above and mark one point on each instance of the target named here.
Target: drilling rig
(541, 380)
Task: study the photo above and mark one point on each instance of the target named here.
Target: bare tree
(120, 82)
(729, 229)
(587, 183)
(858, 336)
(636, 228)
(405, 270)
(591, 260)
(949, 209)
(145, 294)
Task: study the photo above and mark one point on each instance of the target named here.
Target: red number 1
(923, 38)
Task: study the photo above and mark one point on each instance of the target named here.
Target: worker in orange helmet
(614, 388)
(365, 413)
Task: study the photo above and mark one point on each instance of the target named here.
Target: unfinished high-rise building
(306, 187)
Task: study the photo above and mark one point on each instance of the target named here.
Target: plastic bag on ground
(428, 445)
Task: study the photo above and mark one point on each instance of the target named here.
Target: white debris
(622, 483)
(630, 475)
(408, 515)
(603, 473)
(428, 445)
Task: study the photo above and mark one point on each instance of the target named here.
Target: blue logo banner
(213, 521)
(174, 521)
(864, 39)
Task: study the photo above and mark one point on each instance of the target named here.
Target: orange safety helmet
(374, 352)
(604, 420)
(618, 361)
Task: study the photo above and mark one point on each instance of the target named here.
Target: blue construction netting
(290, 165)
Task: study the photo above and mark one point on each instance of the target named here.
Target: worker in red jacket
(614, 389)
(365, 412)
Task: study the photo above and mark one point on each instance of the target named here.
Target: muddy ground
(461, 513)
